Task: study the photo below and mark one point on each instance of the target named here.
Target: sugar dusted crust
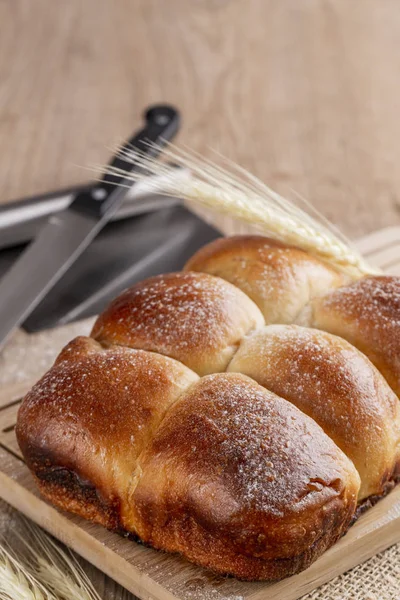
(335, 384)
(236, 466)
(209, 483)
(280, 279)
(123, 432)
(88, 419)
(192, 317)
(366, 314)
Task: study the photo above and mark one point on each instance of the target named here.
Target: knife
(21, 220)
(66, 234)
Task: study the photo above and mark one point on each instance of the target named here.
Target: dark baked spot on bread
(369, 502)
(198, 544)
(66, 489)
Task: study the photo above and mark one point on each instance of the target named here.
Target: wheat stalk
(231, 190)
(44, 571)
(16, 583)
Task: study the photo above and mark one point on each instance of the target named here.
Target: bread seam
(144, 449)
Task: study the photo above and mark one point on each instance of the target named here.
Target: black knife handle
(102, 200)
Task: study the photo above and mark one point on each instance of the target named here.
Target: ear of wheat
(231, 190)
(43, 571)
(16, 582)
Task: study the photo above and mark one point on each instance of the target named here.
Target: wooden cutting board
(151, 574)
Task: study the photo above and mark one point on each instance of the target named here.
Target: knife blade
(68, 233)
(21, 220)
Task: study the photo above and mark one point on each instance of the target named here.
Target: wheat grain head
(231, 190)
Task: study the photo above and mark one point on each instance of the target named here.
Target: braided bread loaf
(201, 417)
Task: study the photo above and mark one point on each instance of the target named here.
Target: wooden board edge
(380, 530)
(84, 544)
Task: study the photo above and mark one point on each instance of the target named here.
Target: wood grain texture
(304, 94)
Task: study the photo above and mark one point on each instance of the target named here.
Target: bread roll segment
(332, 382)
(280, 279)
(83, 425)
(195, 318)
(241, 481)
(366, 314)
(218, 469)
(250, 479)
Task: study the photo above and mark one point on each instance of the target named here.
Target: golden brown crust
(192, 317)
(245, 475)
(335, 384)
(280, 279)
(204, 548)
(83, 425)
(225, 473)
(366, 314)
(220, 469)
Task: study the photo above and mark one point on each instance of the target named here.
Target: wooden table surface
(305, 95)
